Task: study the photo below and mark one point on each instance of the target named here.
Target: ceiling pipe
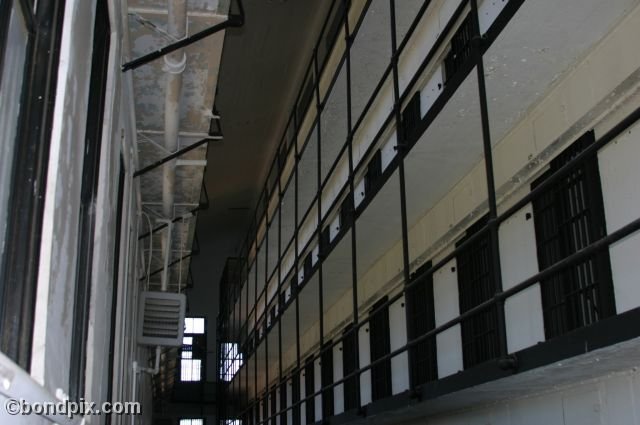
(175, 64)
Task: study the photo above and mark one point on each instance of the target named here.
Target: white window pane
(194, 325)
(187, 340)
(190, 370)
(191, 422)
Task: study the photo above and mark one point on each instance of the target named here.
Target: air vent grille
(162, 319)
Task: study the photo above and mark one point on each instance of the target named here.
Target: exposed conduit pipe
(175, 64)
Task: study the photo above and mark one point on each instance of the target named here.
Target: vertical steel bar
(354, 269)
(490, 176)
(319, 207)
(279, 307)
(401, 142)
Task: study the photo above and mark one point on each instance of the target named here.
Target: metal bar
(354, 261)
(400, 136)
(170, 157)
(401, 139)
(164, 225)
(234, 21)
(318, 230)
(494, 242)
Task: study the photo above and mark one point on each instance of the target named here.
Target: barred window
(420, 320)
(569, 216)
(475, 286)
(327, 379)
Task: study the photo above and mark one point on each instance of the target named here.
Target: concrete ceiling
(261, 71)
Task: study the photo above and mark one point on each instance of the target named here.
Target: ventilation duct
(163, 319)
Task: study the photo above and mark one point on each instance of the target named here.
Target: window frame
(26, 207)
(420, 322)
(585, 176)
(477, 255)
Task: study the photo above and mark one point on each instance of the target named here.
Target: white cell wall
(449, 343)
(606, 400)
(364, 354)
(398, 339)
(620, 174)
(518, 260)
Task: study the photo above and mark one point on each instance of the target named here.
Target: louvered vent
(162, 319)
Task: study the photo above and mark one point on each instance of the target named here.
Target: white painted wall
(398, 339)
(606, 400)
(364, 354)
(449, 343)
(519, 260)
(619, 173)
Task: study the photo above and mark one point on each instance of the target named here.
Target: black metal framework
(18, 276)
(423, 362)
(475, 286)
(480, 246)
(569, 216)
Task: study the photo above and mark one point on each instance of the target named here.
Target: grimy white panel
(398, 339)
(447, 307)
(289, 401)
(358, 193)
(488, 11)
(365, 358)
(338, 374)
(431, 91)
(518, 261)
(388, 151)
(334, 227)
(620, 174)
(317, 385)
